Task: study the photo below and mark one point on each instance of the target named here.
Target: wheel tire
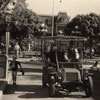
(44, 79)
(44, 84)
(89, 87)
(52, 90)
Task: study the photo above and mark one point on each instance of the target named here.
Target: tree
(23, 21)
(88, 25)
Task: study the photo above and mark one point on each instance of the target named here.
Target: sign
(3, 66)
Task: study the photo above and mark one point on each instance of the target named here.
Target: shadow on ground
(28, 91)
(59, 95)
(35, 91)
(76, 96)
(96, 82)
(32, 70)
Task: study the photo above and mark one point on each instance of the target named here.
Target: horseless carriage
(61, 74)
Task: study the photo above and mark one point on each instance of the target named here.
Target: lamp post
(44, 29)
(8, 11)
(8, 21)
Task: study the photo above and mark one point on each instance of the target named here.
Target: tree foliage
(23, 21)
(88, 25)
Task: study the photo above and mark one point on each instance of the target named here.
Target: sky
(71, 7)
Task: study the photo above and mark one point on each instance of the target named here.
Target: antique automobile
(65, 75)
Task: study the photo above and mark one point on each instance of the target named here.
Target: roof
(62, 18)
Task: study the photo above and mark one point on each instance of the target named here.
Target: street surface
(29, 87)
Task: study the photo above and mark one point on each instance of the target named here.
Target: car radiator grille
(71, 77)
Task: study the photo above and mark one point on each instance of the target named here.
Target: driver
(52, 55)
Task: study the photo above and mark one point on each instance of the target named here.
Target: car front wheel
(52, 90)
(89, 87)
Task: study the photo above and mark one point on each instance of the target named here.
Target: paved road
(29, 87)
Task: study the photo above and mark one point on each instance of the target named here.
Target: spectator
(17, 49)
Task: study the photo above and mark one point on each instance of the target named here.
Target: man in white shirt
(17, 50)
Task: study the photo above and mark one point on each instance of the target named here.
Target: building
(60, 22)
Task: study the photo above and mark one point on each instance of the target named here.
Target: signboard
(3, 66)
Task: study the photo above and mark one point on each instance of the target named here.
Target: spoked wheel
(89, 87)
(52, 90)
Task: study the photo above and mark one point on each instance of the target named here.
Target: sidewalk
(29, 86)
(6, 81)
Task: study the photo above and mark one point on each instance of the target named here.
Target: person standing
(17, 49)
(14, 68)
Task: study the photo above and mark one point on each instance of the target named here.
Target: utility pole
(52, 19)
(53, 4)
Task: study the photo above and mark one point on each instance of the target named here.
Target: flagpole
(53, 19)
(61, 5)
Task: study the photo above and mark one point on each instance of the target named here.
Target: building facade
(60, 22)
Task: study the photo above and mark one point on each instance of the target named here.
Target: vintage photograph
(49, 49)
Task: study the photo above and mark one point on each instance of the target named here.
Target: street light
(44, 29)
(8, 21)
(8, 11)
